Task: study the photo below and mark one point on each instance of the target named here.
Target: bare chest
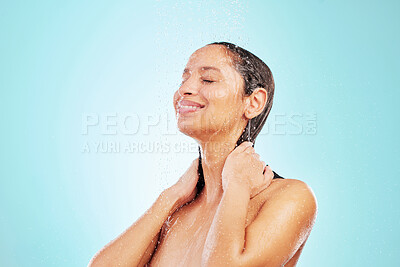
(185, 234)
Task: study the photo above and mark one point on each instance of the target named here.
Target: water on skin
(194, 246)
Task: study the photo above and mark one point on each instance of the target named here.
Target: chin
(197, 132)
(189, 129)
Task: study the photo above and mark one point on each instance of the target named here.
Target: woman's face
(216, 91)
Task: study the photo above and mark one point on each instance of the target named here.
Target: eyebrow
(203, 68)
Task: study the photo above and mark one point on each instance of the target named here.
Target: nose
(188, 88)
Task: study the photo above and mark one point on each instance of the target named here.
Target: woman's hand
(243, 166)
(184, 190)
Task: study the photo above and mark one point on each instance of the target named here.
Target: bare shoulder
(283, 223)
(290, 199)
(292, 189)
(286, 199)
(293, 193)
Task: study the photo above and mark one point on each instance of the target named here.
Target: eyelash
(204, 80)
(208, 81)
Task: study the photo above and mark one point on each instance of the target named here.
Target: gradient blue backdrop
(65, 62)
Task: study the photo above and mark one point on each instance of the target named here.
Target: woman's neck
(213, 156)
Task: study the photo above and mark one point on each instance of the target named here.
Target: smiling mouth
(186, 106)
(188, 109)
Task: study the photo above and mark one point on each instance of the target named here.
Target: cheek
(225, 99)
(225, 108)
(175, 98)
(218, 96)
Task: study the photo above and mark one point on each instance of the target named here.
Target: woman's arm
(282, 225)
(225, 240)
(137, 243)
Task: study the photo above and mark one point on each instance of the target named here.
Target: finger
(243, 146)
(194, 166)
(257, 156)
(264, 165)
(268, 174)
(249, 149)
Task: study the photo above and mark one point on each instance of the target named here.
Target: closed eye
(204, 80)
(208, 81)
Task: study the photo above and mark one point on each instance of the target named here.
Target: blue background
(335, 60)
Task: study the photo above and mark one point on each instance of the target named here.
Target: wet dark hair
(255, 74)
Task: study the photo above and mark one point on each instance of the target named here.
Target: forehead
(215, 56)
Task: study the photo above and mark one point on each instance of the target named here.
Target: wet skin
(278, 220)
(241, 217)
(183, 235)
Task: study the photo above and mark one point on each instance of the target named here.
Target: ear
(256, 103)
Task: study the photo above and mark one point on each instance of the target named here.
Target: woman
(226, 209)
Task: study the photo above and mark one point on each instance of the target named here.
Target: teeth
(189, 107)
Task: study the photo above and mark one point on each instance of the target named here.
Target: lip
(188, 106)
